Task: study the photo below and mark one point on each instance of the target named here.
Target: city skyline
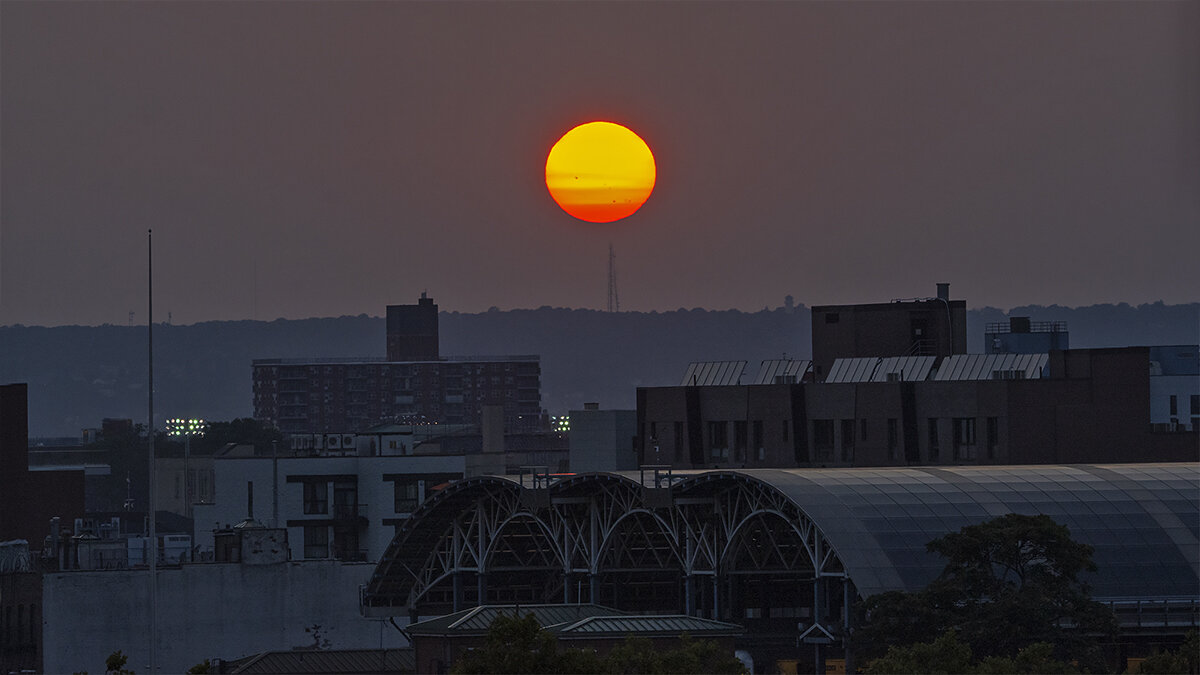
(319, 159)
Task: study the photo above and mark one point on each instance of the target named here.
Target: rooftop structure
(934, 326)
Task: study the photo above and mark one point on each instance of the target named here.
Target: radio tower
(614, 303)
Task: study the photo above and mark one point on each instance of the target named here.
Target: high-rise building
(413, 385)
(412, 331)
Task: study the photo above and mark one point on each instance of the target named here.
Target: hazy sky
(317, 158)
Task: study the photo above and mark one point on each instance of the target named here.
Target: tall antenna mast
(153, 547)
(614, 302)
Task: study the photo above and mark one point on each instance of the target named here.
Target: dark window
(316, 497)
(847, 440)
(785, 431)
(758, 437)
(831, 317)
(964, 438)
(862, 430)
(1174, 404)
(934, 448)
(718, 438)
(1196, 404)
(739, 440)
(408, 496)
(679, 441)
(993, 436)
(893, 434)
(823, 439)
(654, 432)
(316, 541)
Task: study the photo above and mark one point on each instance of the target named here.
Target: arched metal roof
(1142, 519)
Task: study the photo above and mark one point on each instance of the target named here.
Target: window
(893, 434)
(823, 439)
(176, 486)
(1196, 404)
(679, 441)
(862, 430)
(935, 450)
(758, 437)
(993, 436)
(739, 440)
(316, 541)
(654, 432)
(316, 497)
(1174, 404)
(847, 440)
(718, 438)
(964, 438)
(408, 496)
(785, 431)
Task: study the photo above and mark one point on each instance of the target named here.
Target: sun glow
(600, 172)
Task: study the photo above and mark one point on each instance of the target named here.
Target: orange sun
(600, 172)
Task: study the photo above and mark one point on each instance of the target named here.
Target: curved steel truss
(593, 537)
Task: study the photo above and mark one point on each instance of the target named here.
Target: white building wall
(232, 474)
(1162, 388)
(206, 611)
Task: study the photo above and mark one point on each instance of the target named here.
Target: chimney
(943, 292)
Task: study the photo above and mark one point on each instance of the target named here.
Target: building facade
(914, 327)
(333, 507)
(413, 384)
(1089, 405)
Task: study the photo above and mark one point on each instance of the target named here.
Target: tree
(519, 645)
(1017, 572)
(115, 664)
(513, 645)
(1186, 659)
(947, 655)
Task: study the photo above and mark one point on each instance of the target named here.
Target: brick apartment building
(414, 383)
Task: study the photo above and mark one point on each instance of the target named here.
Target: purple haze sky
(318, 158)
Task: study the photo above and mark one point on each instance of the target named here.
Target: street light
(186, 428)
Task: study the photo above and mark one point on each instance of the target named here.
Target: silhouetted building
(29, 499)
(917, 327)
(336, 395)
(1022, 336)
(412, 331)
(1086, 405)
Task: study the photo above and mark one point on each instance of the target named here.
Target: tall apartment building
(413, 384)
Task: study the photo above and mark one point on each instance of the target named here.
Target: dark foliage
(1008, 584)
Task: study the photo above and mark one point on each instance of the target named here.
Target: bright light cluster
(560, 424)
(186, 427)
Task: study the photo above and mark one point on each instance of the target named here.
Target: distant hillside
(78, 375)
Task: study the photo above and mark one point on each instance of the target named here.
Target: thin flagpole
(152, 503)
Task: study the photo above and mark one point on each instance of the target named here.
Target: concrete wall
(378, 495)
(220, 610)
(602, 440)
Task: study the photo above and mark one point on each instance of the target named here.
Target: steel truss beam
(719, 524)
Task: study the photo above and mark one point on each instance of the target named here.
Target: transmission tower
(614, 302)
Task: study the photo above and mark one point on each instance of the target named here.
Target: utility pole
(614, 302)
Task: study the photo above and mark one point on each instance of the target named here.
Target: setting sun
(600, 172)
